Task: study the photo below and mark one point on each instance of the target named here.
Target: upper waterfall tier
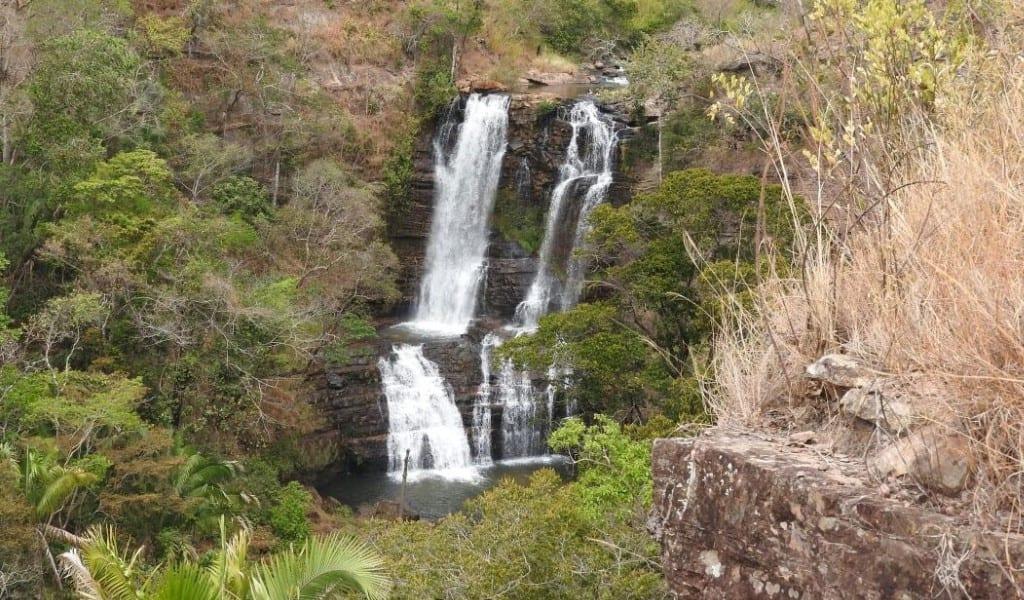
(587, 172)
(467, 182)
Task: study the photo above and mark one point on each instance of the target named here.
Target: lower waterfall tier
(351, 398)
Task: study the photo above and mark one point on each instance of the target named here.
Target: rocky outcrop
(740, 516)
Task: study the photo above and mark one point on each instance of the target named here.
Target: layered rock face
(740, 516)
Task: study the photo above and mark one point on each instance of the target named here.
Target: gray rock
(939, 461)
(839, 370)
(741, 517)
(871, 405)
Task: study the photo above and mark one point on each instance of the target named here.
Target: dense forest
(197, 202)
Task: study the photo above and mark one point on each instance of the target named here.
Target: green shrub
(288, 516)
(242, 196)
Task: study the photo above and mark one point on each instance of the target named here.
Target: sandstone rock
(545, 78)
(870, 404)
(749, 61)
(839, 370)
(487, 86)
(743, 517)
(939, 461)
(802, 438)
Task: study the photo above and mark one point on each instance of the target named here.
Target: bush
(288, 516)
(243, 196)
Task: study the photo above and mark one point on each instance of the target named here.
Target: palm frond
(74, 569)
(8, 454)
(61, 484)
(114, 573)
(201, 476)
(230, 569)
(321, 568)
(185, 582)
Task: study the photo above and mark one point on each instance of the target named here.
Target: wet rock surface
(740, 516)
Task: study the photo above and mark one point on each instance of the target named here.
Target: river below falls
(433, 497)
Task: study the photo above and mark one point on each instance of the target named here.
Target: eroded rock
(939, 461)
(839, 370)
(872, 405)
(745, 517)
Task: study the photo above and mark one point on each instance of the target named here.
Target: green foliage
(288, 516)
(614, 470)
(686, 133)
(82, 90)
(518, 539)
(165, 35)
(523, 225)
(658, 69)
(441, 26)
(243, 196)
(62, 403)
(136, 183)
(571, 26)
(610, 364)
(320, 568)
(47, 485)
(397, 176)
(435, 88)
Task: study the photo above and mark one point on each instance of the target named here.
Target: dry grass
(926, 289)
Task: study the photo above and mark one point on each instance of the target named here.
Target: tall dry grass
(925, 287)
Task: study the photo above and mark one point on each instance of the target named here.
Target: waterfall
(466, 184)
(422, 415)
(482, 406)
(521, 427)
(588, 168)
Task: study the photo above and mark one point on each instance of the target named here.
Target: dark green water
(432, 496)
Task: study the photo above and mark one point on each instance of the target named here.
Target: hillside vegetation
(194, 200)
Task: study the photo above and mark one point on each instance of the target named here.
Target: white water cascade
(482, 406)
(466, 184)
(588, 166)
(423, 419)
(521, 425)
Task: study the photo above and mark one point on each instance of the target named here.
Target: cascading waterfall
(482, 406)
(467, 182)
(424, 420)
(591, 167)
(521, 425)
(422, 416)
(588, 169)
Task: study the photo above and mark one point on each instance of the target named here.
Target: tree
(85, 91)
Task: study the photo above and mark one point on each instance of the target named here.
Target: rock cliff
(740, 516)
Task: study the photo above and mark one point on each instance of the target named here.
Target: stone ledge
(740, 516)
